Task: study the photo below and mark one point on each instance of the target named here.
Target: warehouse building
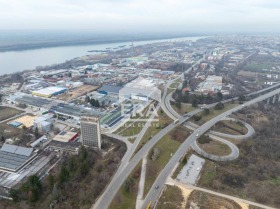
(67, 111)
(49, 91)
(66, 136)
(39, 141)
(115, 116)
(15, 124)
(140, 89)
(109, 89)
(212, 84)
(71, 147)
(31, 101)
(13, 158)
(44, 122)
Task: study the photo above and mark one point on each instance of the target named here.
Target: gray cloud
(142, 15)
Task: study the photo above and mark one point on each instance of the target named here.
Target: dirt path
(186, 193)
(141, 184)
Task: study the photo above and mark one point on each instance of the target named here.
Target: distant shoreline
(49, 54)
(31, 46)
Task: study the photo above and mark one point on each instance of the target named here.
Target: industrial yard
(8, 112)
(72, 126)
(76, 92)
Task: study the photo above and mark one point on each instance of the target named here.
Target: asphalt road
(232, 156)
(165, 104)
(169, 107)
(114, 187)
(154, 193)
(250, 130)
(216, 136)
(121, 138)
(174, 115)
(126, 165)
(126, 168)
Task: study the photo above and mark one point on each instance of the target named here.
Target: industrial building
(13, 157)
(44, 122)
(38, 141)
(212, 84)
(90, 130)
(71, 147)
(15, 124)
(140, 97)
(26, 120)
(66, 136)
(109, 89)
(53, 72)
(142, 89)
(115, 116)
(30, 101)
(67, 111)
(49, 91)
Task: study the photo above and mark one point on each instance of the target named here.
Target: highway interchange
(161, 179)
(128, 163)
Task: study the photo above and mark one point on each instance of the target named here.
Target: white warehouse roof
(50, 90)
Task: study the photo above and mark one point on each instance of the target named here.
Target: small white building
(44, 123)
(39, 141)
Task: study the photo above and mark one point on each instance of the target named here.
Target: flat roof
(16, 149)
(110, 88)
(142, 86)
(34, 101)
(26, 120)
(141, 83)
(50, 90)
(212, 83)
(74, 110)
(12, 157)
(71, 146)
(15, 123)
(65, 136)
(39, 119)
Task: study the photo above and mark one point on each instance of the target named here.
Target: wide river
(15, 61)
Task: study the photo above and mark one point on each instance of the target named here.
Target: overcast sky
(142, 15)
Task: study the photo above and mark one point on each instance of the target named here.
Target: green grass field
(257, 66)
(208, 174)
(133, 127)
(230, 127)
(215, 148)
(174, 85)
(183, 162)
(127, 199)
(275, 180)
(130, 128)
(185, 108)
(171, 198)
(213, 113)
(167, 147)
(163, 121)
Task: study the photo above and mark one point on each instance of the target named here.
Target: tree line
(196, 99)
(75, 182)
(92, 101)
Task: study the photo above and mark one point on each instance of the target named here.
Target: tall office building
(90, 130)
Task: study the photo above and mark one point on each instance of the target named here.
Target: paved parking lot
(190, 172)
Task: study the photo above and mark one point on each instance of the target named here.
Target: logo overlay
(139, 103)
